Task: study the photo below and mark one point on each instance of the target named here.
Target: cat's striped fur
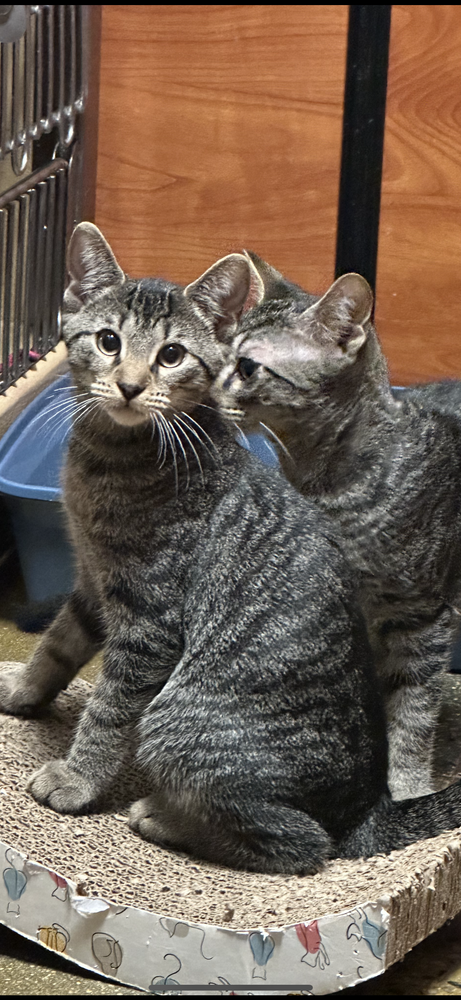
(386, 470)
(235, 657)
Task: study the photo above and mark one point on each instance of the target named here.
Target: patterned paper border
(163, 955)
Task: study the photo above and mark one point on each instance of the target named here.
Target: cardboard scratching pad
(91, 889)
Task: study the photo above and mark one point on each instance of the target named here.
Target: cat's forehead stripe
(149, 300)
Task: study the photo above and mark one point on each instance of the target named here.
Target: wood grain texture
(418, 310)
(220, 127)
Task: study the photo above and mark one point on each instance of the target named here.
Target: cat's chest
(113, 498)
(125, 517)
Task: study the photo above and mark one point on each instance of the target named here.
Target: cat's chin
(126, 416)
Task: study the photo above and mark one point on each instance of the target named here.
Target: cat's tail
(391, 825)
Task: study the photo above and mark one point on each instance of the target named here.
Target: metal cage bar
(46, 186)
(32, 250)
(42, 81)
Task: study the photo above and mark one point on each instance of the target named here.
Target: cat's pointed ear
(91, 264)
(274, 284)
(224, 291)
(343, 312)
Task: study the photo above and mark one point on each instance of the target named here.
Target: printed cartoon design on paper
(181, 929)
(316, 954)
(166, 980)
(343, 934)
(363, 929)
(262, 946)
(54, 937)
(107, 953)
(61, 890)
(15, 880)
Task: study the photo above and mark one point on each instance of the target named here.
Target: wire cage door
(48, 122)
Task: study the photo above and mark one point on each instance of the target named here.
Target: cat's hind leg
(70, 641)
(415, 663)
(267, 838)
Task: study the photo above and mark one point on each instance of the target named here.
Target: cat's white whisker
(163, 442)
(157, 430)
(163, 450)
(65, 410)
(203, 406)
(192, 430)
(277, 439)
(187, 417)
(91, 409)
(63, 418)
(55, 412)
(69, 393)
(58, 404)
(67, 390)
(241, 437)
(171, 440)
(191, 446)
(270, 448)
(52, 431)
(184, 454)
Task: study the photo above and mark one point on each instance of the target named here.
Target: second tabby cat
(386, 470)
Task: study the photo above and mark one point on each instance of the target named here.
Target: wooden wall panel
(220, 127)
(418, 310)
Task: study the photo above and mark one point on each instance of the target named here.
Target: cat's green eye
(171, 355)
(109, 342)
(246, 367)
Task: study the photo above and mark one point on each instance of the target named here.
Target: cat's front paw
(56, 785)
(18, 696)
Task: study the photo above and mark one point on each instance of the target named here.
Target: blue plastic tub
(32, 453)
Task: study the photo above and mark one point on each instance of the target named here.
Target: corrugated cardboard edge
(22, 392)
(422, 903)
(153, 952)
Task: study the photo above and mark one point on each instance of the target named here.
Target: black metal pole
(363, 139)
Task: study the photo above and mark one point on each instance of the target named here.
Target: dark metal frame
(363, 139)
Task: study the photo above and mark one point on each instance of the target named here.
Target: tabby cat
(386, 470)
(443, 397)
(235, 657)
